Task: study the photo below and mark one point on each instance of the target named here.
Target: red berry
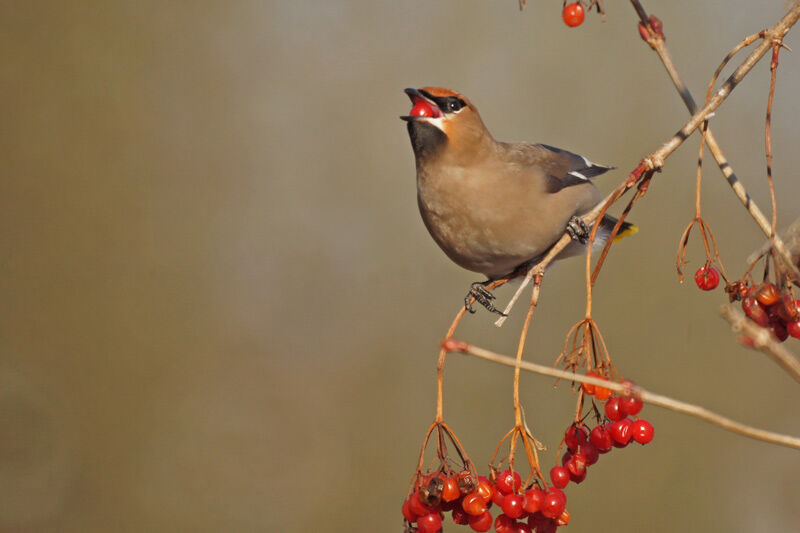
(460, 516)
(563, 518)
(601, 439)
(553, 504)
(642, 431)
(484, 489)
(544, 524)
(613, 409)
(522, 527)
(450, 490)
(755, 311)
(512, 505)
(408, 514)
(504, 524)
(573, 14)
(589, 451)
(579, 478)
(508, 481)
(559, 475)
(621, 431)
(587, 388)
(630, 405)
(430, 523)
(574, 436)
(793, 328)
(602, 393)
(482, 522)
(533, 499)
(497, 498)
(780, 331)
(707, 277)
(422, 108)
(473, 504)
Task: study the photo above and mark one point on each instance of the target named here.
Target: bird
(494, 206)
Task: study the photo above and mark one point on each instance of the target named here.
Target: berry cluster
(770, 308)
(534, 507)
(469, 500)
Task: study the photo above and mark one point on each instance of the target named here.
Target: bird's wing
(563, 168)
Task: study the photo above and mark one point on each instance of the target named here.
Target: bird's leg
(482, 295)
(578, 230)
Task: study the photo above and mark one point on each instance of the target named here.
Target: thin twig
(657, 43)
(655, 161)
(645, 395)
(762, 340)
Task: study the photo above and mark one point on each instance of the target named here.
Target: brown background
(219, 309)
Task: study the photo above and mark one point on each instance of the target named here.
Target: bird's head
(443, 118)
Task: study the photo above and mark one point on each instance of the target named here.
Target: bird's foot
(578, 230)
(482, 295)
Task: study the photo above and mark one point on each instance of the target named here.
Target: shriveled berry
(563, 518)
(621, 431)
(573, 14)
(533, 500)
(482, 522)
(642, 431)
(630, 405)
(512, 505)
(430, 523)
(707, 278)
(559, 475)
(417, 506)
(767, 294)
(577, 465)
(755, 311)
(601, 439)
(485, 489)
(508, 481)
(613, 409)
(553, 504)
(473, 504)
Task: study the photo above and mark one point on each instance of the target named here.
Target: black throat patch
(426, 139)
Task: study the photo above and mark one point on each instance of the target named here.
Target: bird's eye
(454, 104)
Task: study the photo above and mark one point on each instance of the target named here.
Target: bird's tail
(625, 230)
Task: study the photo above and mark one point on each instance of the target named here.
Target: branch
(655, 161)
(646, 396)
(657, 43)
(762, 340)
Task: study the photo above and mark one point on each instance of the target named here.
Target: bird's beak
(422, 106)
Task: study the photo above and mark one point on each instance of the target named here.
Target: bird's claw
(578, 230)
(483, 296)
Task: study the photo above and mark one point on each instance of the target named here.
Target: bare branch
(645, 395)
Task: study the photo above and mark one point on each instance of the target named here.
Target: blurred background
(219, 308)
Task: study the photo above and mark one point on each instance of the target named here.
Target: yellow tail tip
(626, 230)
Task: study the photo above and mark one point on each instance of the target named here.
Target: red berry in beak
(422, 109)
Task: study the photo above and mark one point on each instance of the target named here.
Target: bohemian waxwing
(493, 206)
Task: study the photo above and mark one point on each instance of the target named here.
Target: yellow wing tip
(627, 231)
